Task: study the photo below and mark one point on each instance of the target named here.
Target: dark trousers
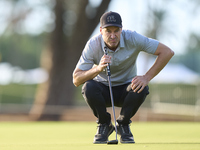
(97, 96)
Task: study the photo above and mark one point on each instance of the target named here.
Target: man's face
(111, 36)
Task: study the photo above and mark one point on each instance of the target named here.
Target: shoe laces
(102, 128)
(125, 129)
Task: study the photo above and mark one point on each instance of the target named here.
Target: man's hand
(105, 59)
(139, 83)
(164, 55)
(80, 76)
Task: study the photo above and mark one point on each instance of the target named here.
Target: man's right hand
(80, 76)
(105, 59)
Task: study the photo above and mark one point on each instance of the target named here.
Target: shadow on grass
(170, 143)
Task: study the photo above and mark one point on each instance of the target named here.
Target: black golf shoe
(103, 132)
(125, 132)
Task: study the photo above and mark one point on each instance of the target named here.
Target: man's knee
(89, 88)
(145, 91)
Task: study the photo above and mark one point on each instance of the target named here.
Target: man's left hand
(139, 83)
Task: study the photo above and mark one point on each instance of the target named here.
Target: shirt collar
(121, 43)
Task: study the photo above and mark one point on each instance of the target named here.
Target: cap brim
(109, 25)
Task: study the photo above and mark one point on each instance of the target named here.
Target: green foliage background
(22, 50)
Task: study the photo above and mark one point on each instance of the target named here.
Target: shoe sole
(100, 142)
(127, 142)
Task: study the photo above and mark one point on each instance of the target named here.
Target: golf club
(111, 96)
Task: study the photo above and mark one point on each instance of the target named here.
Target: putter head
(113, 142)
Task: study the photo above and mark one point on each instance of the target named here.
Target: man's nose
(112, 35)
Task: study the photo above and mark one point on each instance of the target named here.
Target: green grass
(79, 136)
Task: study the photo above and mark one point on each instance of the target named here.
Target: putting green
(79, 136)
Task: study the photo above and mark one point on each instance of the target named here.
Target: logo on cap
(111, 19)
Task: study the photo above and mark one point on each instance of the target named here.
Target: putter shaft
(111, 96)
(113, 109)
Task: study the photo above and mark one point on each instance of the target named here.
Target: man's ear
(101, 30)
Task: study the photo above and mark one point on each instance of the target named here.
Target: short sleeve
(144, 43)
(86, 61)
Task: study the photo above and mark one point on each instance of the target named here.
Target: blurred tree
(155, 27)
(22, 50)
(192, 57)
(18, 49)
(74, 23)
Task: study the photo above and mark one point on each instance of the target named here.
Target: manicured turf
(79, 136)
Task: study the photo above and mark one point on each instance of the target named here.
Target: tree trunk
(58, 92)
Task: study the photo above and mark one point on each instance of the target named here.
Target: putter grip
(108, 67)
